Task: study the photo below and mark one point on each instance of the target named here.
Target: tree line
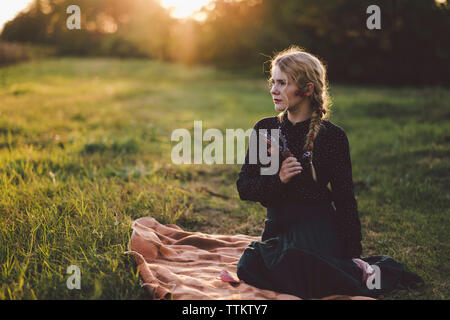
(411, 48)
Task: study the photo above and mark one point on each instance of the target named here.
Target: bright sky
(9, 9)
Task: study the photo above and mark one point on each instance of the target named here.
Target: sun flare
(183, 9)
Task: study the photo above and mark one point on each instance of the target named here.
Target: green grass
(85, 149)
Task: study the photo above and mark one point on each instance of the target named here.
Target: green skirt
(300, 255)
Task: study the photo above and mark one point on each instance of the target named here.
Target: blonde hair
(303, 68)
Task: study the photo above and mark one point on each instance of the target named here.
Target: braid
(314, 127)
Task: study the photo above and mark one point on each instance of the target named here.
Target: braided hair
(306, 68)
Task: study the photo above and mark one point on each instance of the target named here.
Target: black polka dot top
(331, 159)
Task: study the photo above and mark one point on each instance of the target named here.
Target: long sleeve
(349, 225)
(254, 186)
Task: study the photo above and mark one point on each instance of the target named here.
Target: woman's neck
(300, 112)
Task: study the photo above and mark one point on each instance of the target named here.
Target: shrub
(12, 53)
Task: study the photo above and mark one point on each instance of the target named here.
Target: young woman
(311, 243)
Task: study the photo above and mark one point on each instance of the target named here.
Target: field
(85, 149)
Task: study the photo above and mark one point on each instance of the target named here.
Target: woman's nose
(273, 90)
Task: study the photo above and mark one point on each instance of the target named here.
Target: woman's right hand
(289, 168)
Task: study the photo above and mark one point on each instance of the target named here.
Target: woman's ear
(309, 89)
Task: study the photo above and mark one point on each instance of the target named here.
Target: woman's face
(283, 93)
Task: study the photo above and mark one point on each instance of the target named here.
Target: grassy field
(85, 149)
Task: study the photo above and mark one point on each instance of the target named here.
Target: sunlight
(9, 9)
(182, 9)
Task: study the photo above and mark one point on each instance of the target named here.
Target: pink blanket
(177, 264)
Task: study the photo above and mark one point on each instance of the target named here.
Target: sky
(9, 9)
(180, 8)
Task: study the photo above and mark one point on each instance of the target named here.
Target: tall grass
(85, 149)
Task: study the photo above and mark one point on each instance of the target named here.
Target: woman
(309, 247)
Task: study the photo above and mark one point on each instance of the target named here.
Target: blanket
(182, 265)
